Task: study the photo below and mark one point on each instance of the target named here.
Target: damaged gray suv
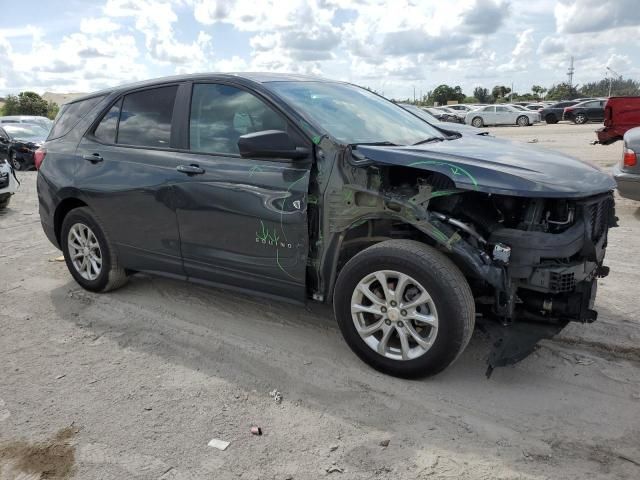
(304, 189)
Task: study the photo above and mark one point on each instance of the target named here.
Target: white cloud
(581, 16)
(96, 26)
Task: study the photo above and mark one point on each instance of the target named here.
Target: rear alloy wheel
(551, 118)
(90, 256)
(477, 122)
(404, 308)
(15, 163)
(523, 121)
(580, 118)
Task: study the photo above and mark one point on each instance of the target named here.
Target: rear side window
(106, 129)
(145, 119)
(220, 114)
(70, 114)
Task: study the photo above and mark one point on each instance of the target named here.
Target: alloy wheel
(84, 251)
(477, 122)
(394, 315)
(581, 118)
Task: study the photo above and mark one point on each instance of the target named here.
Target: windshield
(25, 132)
(352, 114)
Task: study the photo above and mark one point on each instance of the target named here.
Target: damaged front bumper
(551, 280)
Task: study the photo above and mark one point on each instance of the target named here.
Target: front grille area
(562, 282)
(597, 214)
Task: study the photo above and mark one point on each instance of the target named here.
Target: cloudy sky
(392, 46)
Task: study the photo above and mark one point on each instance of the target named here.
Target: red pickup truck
(620, 115)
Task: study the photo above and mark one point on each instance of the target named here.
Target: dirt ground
(135, 383)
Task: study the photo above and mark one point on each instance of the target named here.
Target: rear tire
(551, 118)
(580, 119)
(450, 306)
(523, 121)
(83, 239)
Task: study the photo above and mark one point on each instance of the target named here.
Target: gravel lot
(135, 383)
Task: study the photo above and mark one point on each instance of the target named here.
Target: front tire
(551, 118)
(404, 308)
(4, 202)
(477, 122)
(89, 254)
(523, 121)
(13, 159)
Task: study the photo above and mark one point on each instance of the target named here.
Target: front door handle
(93, 158)
(190, 169)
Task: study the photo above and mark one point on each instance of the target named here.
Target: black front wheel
(404, 308)
(15, 163)
(551, 118)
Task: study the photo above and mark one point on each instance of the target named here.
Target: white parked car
(8, 183)
(501, 115)
(43, 122)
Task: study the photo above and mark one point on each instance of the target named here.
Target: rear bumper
(607, 135)
(628, 183)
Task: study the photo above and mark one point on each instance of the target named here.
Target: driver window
(221, 114)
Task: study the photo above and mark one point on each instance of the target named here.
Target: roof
(253, 77)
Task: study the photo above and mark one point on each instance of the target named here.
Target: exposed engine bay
(532, 263)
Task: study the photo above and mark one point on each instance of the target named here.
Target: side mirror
(270, 144)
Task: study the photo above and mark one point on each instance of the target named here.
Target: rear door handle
(93, 158)
(190, 169)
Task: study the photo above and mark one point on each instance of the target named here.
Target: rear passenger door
(243, 221)
(489, 115)
(504, 116)
(127, 177)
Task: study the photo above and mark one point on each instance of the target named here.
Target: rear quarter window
(69, 116)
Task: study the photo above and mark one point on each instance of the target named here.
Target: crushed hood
(491, 165)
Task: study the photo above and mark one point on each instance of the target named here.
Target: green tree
(562, 91)
(482, 94)
(500, 91)
(11, 105)
(619, 86)
(444, 93)
(26, 103)
(538, 91)
(52, 110)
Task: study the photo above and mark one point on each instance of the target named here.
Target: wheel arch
(61, 212)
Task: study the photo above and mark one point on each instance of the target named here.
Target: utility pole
(609, 69)
(570, 74)
(414, 94)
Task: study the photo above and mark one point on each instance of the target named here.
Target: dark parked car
(18, 142)
(306, 189)
(620, 114)
(553, 113)
(627, 172)
(583, 112)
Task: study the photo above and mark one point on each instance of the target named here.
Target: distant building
(61, 98)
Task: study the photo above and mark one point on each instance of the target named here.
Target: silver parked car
(627, 172)
(43, 122)
(501, 115)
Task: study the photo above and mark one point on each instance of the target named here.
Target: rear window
(145, 119)
(70, 114)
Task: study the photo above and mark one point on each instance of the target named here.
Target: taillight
(629, 159)
(567, 109)
(38, 157)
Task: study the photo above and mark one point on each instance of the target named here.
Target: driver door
(242, 221)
